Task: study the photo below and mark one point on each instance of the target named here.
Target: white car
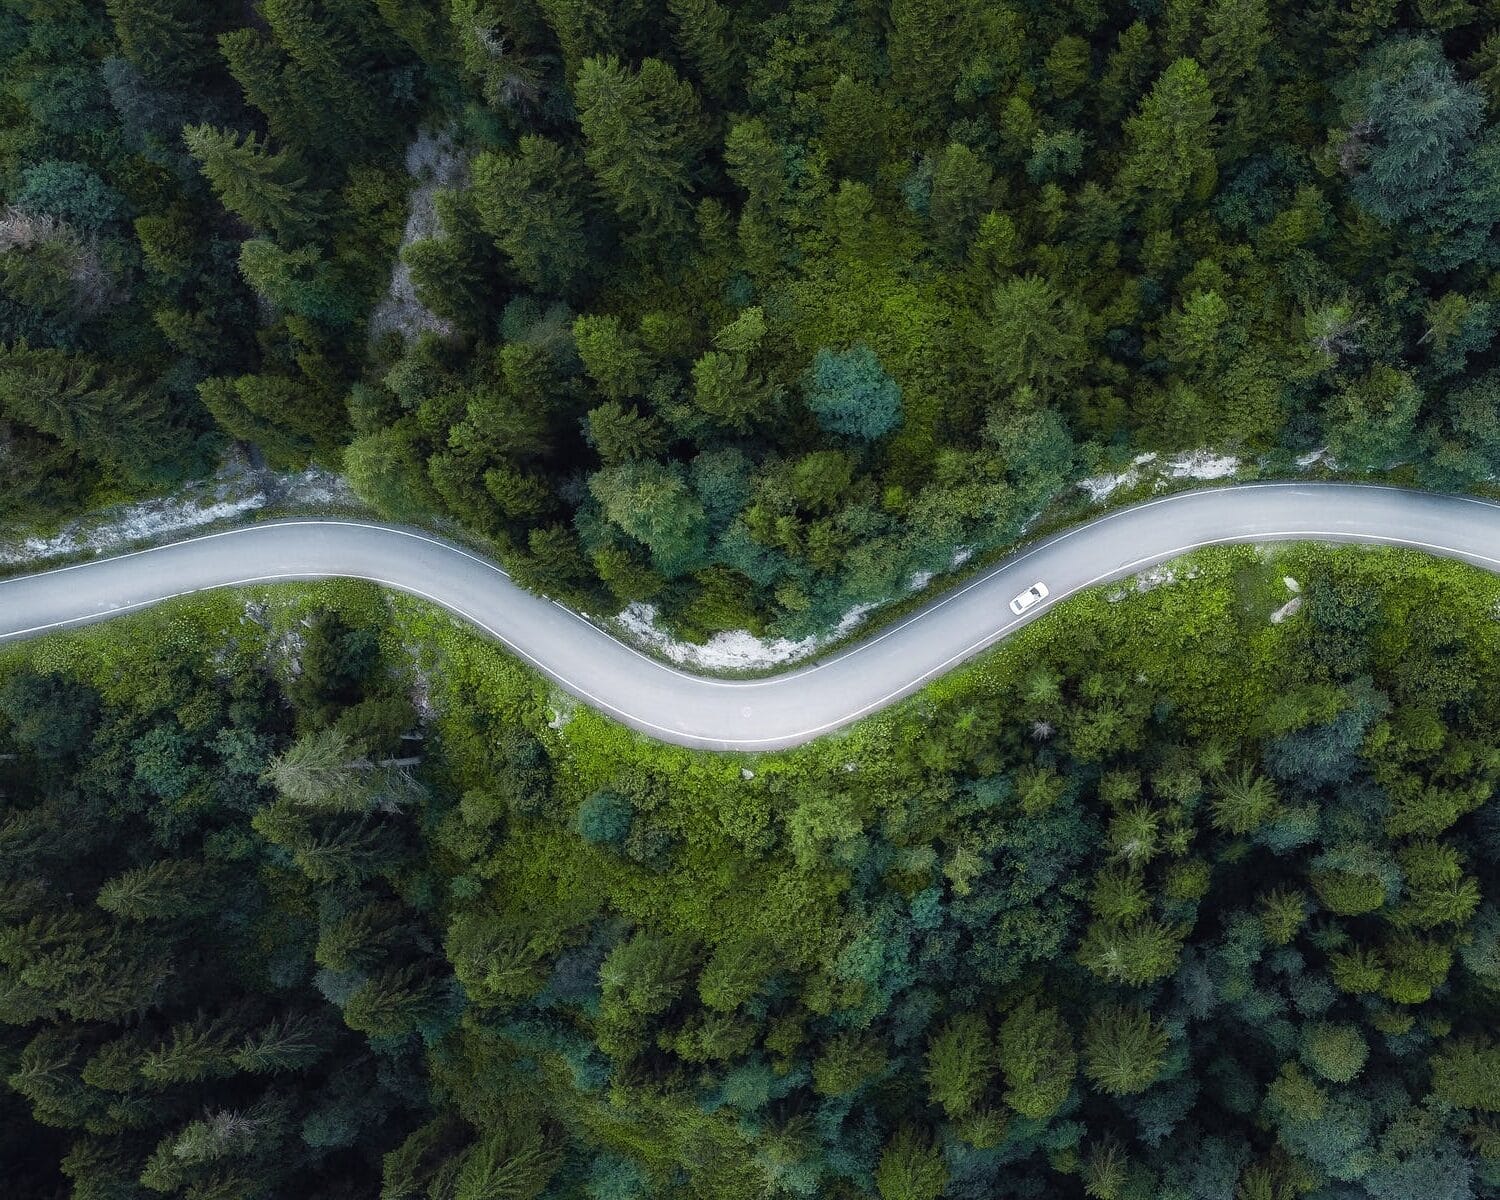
(1033, 595)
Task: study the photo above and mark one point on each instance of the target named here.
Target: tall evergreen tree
(529, 203)
(268, 190)
(644, 136)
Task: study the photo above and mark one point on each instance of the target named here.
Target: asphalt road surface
(781, 710)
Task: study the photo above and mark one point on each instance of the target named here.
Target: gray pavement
(778, 711)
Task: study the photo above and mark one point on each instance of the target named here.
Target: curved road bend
(782, 710)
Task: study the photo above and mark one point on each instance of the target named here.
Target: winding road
(781, 710)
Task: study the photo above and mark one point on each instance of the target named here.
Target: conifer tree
(1037, 1059)
(266, 189)
(1169, 142)
(290, 1042)
(614, 360)
(644, 134)
(513, 1164)
(1035, 334)
(194, 1050)
(583, 28)
(1123, 1049)
(106, 414)
(621, 434)
(167, 40)
(702, 28)
(848, 1062)
(960, 1063)
(960, 198)
(528, 202)
(260, 68)
(911, 1167)
(166, 889)
(929, 43)
(394, 1001)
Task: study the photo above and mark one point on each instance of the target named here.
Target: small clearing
(435, 162)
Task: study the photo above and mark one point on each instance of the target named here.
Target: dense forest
(315, 894)
(750, 310)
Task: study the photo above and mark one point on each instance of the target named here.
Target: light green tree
(1123, 1049)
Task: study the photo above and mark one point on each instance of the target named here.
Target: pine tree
(961, 1061)
(263, 188)
(1126, 71)
(1466, 1074)
(290, 1042)
(960, 198)
(359, 939)
(513, 1164)
(1244, 803)
(930, 41)
(260, 68)
(164, 890)
(1105, 1170)
(1415, 968)
(1169, 155)
(195, 1050)
(1409, 118)
(394, 1001)
(854, 128)
(1235, 34)
(1035, 334)
(1119, 895)
(1436, 891)
(326, 770)
(707, 40)
(644, 135)
(1282, 913)
(612, 358)
(498, 960)
(1037, 1059)
(1335, 1050)
(108, 415)
(1123, 1050)
(648, 972)
(1136, 953)
(729, 390)
(529, 203)
(328, 70)
(911, 1167)
(348, 852)
(300, 282)
(583, 28)
(1359, 970)
(166, 40)
(284, 417)
(654, 504)
(738, 968)
(848, 1062)
(621, 434)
